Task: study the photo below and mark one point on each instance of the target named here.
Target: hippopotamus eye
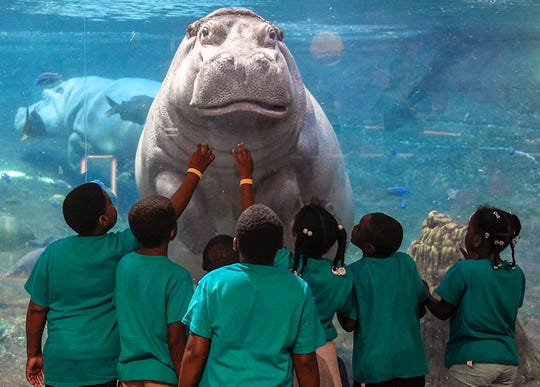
(205, 32)
(272, 34)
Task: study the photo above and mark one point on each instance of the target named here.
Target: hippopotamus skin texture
(75, 111)
(234, 80)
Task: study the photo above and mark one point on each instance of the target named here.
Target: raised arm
(244, 164)
(36, 317)
(199, 160)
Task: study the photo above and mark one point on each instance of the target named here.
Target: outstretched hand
(244, 162)
(201, 158)
(34, 371)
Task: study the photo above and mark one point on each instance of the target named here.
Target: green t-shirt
(330, 291)
(385, 302)
(284, 259)
(75, 277)
(151, 292)
(487, 300)
(255, 316)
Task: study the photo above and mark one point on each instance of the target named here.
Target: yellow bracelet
(246, 181)
(195, 171)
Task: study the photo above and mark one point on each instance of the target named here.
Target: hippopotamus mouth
(273, 111)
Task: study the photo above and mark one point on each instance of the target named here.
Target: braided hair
(316, 230)
(499, 228)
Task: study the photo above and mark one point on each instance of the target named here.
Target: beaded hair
(500, 228)
(316, 231)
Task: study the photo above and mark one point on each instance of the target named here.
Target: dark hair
(316, 231)
(384, 233)
(259, 233)
(219, 252)
(500, 228)
(151, 220)
(83, 206)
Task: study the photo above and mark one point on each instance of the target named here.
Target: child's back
(250, 320)
(151, 292)
(256, 315)
(387, 305)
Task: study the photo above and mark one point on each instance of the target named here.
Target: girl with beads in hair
(481, 295)
(315, 231)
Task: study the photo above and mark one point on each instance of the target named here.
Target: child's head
(88, 210)
(315, 231)
(258, 235)
(377, 235)
(490, 231)
(219, 252)
(153, 221)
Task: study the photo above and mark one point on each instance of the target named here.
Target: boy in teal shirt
(385, 307)
(72, 284)
(250, 322)
(151, 296)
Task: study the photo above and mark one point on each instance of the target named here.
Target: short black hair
(83, 206)
(384, 233)
(151, 220)
(219, 252)
(259, 233)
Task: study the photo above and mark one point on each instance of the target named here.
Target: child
(218, 252)
(385, 307)
(315, 232)
(151, 297)
(251, 323)
(71, 288)
(482, 295)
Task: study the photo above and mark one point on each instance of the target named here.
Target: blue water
(441, 99)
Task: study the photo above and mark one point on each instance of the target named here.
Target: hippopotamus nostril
(261, 62)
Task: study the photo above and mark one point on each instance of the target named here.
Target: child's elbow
(347, 323)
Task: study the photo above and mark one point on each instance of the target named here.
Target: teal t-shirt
(75, 277)
(151, 292)
(385, 302)
(256, 317)
(284, 259)
(487, 301)
(329, 290)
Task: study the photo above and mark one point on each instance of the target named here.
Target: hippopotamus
(234, 80)
(78, 110)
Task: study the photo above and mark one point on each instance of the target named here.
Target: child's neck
(154, 251)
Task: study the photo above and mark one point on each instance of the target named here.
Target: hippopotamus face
(235, 65)
(46, 108)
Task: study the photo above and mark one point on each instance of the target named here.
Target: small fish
(134, 110)
(6, 177)
(452, 193)
(61, 184)
(33, 125)
(403, 203)
(398, 191)
(49, 79)
(56, 200)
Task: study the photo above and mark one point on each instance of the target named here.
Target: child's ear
(103, 220)
(477, 240)
(235, 244)
(174, 231)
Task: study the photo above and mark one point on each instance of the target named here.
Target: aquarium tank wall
(412, 107)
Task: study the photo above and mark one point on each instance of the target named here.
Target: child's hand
(201, 158)
(244, 162)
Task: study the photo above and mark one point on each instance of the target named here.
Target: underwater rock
(435, 251)
(234, 80)
(13, 233)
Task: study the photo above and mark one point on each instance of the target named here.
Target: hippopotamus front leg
(281, 192)
(76, 150)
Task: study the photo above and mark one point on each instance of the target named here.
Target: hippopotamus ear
(192, 29)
